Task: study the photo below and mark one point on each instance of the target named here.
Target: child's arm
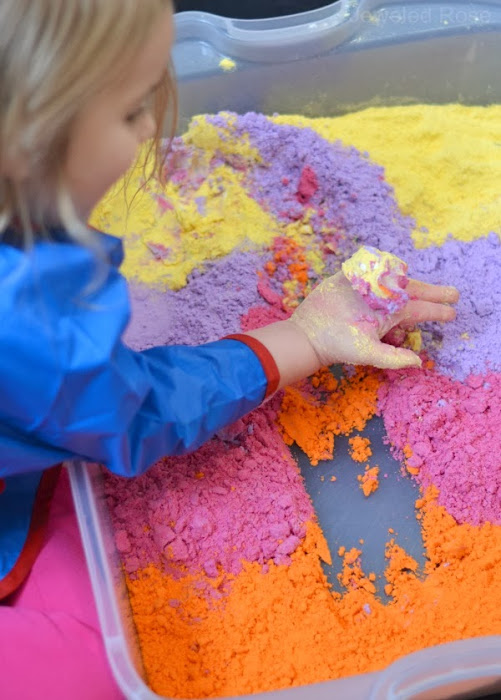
(71, 387)
(334, 325)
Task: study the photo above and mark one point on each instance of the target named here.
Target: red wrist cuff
(36, 533)
(265, 357)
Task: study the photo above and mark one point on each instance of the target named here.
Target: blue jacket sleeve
(71, 387)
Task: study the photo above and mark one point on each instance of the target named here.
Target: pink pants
(50, 643)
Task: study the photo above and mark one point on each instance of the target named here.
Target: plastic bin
(330, 61)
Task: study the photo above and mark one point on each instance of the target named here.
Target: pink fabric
(50, 643)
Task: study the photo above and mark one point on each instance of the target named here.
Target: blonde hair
(54, 56)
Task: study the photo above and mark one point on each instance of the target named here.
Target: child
(83, 84)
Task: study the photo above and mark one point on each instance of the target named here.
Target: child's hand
(342, 328)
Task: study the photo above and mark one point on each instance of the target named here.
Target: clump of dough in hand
(379, 277)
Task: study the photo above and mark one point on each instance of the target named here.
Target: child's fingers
(432, 292)
(417, 311)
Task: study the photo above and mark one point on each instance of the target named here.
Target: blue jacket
(71, 387)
